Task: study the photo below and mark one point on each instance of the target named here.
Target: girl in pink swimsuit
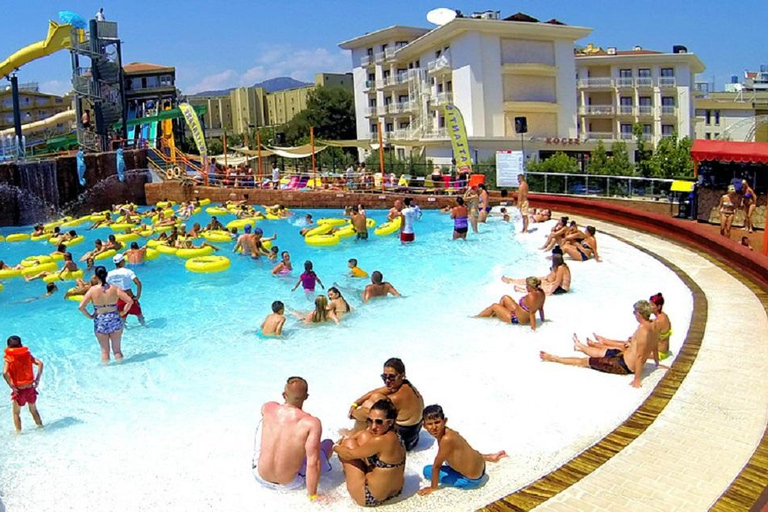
(308, 279)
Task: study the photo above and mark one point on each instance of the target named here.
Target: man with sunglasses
(405, 397)
(288, 447)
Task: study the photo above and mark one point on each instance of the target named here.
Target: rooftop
(145, 67)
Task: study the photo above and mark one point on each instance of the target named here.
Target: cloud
(272, 61)
(57, 87)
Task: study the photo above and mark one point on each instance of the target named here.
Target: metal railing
(372, 111)
(624, 81)
(442, 98)
(668, 110)
(389, 53)
(667, 81)
(644, 110)
(596, 185)
(644, 81)
(439, 133)
(596, 82)
(442, 62)
(599, 110)
(379, 56)
(626, 110)
(366, 60)
(600, 135)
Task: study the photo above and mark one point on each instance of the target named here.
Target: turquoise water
(172, 427)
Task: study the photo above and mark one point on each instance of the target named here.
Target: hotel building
(741, 116)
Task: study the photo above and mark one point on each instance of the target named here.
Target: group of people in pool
(291, 453)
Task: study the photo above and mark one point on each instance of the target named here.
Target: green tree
(558, 163)
(672, 158)
(215, 147)
(330, 111)
(598, 161)
(619, 163)
(643, 154)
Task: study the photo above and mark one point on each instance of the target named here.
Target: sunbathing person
(509, 311)
(641, 345)
(557, 282)
(582, 246)
(558, 233)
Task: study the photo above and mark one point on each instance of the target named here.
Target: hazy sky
(238, 42)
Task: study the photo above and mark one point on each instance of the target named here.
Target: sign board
(508, 165)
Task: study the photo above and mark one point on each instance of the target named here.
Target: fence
(596, 185)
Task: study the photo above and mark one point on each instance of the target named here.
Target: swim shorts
(487, 209)
(135, 309)
(24, 396)
(300, 479)
(524, 208)
(407, 237)
(107, 323)
(452, 478)
(461, 231)
(362, 235)
(409, 435)
(613, 362)
(559, 291)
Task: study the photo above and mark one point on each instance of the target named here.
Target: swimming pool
(172, 428)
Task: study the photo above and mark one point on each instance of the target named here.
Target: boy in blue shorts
(457, 464)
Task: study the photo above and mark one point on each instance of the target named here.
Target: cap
(118, 258)
(247, 228)
(258, 231)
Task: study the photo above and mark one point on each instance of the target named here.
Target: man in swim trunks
(136, 254)
(18, 373)
(378, 287)
(464, 466)
(214, 225)
(620, 362)
(404, 396)
(122, 278)
(360, 222)
(289, 450)
(522, 201)
(460, 218)
(394, 212)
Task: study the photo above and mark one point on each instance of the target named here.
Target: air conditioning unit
(678, 48)
(486, 15)
(611, 50)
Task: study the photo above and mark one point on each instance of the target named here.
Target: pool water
(172, 427)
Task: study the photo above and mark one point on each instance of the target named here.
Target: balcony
(644, 82)
(402, 134)
(667, 81)
(626, 110)
(399, 107)
(598, 110)
(627, 136)
(409, 106)
(366, 60)
(624, 82)
(379, 57)
(389, 53)
(439, 133)
(372, 111)
(644, 110)
(596, 83)
(442, 98)
(600, 135)
(442, 63)
(668, 110)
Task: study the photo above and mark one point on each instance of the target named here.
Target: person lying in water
(509, 311)
(320, 314)
(457, 464)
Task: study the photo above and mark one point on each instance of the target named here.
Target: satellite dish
(440, 16)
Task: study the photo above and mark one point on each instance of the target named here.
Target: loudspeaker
(521, 125)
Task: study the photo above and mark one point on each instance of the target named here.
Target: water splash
(20, 207)
(95, 197)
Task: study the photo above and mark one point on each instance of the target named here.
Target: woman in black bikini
(582, 246)
(374, 459)
(749, 203)
(509, 311)
(337, 303)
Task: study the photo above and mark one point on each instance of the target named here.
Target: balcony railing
(644, 81)
(668, 110)
(600, 135)
(627, 136)
(402, 133)
(394, 108)
(381, 110)
(644, 110)
(439, 133)
(598, 110)
(372, 111)
(667, 81)
(626, 110)
(379, 57)
(596, 82)
(409, 106)
(389, 53)
(366, 60)
(625, 81)
(440, 63)
(442, 98)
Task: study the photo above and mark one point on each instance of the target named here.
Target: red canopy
(726, 151)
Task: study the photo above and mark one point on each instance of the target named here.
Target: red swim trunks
(407, 237)
(24, 396)
(135, 309)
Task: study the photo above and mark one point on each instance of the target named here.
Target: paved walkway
(713, 424)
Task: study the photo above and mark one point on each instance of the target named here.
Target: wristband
(355, 405)
(312, 497)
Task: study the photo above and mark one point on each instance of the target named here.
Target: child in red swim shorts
(18, 372)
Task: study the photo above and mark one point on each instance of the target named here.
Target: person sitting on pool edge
(273, 323)
(464, 466)
(511, 312)
(642, 344)
(288, 446)
(378, 287)
(404, 396)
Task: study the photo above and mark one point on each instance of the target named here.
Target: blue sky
(219, 44)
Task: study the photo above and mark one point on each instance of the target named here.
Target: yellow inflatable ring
(165, 204)
(31, 261)
(127, 237)
(76, 298)
(388, 228)
(73, 223)
(346, 232)
(51, 225)
(106, 254)
(217, 210)
(155, 243)
(151, 254)
(57, 256)
(77, 240)
(42, 236)
(122, 226)
(65, 276)
(196, 210)
(17, 237)
(194, 253)
(217, 236)
(43, 267)
(205, 202)
(370, 223)
(271, 216)
(319, 230)
(241, 223)
(166, 249)
(146, 232)
(8, 273)
(207, 264)
(1, 287)
(2, 238)
(322, 240)
(332, 222)
(267, 244)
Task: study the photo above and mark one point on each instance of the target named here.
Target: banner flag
(457, 132)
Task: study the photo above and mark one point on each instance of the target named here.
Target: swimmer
(284, 267)
(50, 289)
(214, 225)
(457, 464)
(337, 303)
(359, 222)
(195, 231)
(308, 279)
(98, 248)
(354, 270)
(504, 215)
(106, 221)
(308, 222)
(394, 212)
(273, 252)
(509, 311)
(112, 243)
(61, 249)
(745, 243)
(39, 230)
(274, 322)
(245, 243)
(320, 314)
(460, 217)
(378, 287)
(81, 287)
(258, 241)
(69, 266)
(18, 372)
(135, 255)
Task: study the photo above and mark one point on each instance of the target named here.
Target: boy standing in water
(465, 466)
(273, 323)
(19, 374)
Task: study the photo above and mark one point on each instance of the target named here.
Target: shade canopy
(726, 151)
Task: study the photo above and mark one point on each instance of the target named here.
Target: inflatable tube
(42, 236)
(1, 287)
(207, 264)
(322, 240)
(164, 228)
(241, 223)
(267, 244)
(57, 256)
(217, 210)
(65, 276)
(151, 254)
(155, 243)
(332, 222)
(319, 230)
(51, 225)
(271, 216)
(194, 253)
(9, 273)
(77, 240)
(388, 228)
(122, 226)
(370, 223)
(217, 236)
(205, 202)
(2, 238)
(127, 237)
(166, 249)
(165, 204)
(346, 232)
(43, 267)
(75, 298)
(17, 237)
(74, 223)
(105, 255)
(196, 210)
(96, 217)
(31, 261)
(146, 232)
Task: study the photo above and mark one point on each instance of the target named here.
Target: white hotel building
(495, 70)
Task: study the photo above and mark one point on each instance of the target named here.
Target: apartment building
(618, 89)
(282, 106)
(149, 88)
(492, 69)
(218, 116)
(737, 116)
(249, 108)
(34, 106)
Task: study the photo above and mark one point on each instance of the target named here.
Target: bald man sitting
(289, 452)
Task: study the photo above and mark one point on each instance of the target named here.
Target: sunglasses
(388, 376)
(377, 421)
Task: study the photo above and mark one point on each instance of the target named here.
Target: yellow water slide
(58, 38)
(62, 117)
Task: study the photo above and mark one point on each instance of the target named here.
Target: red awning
(726, 151)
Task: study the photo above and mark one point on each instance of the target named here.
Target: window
(644, 73)
(449, 86)
(372, 102)
(625, 73)
(438, 53)
(667, 130)
(384, 47)
(441, 122)
(647, 130)
(390, 127)
(402, 98)
(400, 44)
(439, 87)
(369, 52)
(708, 117)
(626, 131)
(386, 74)
(717, 117)
(717, 135)
(625, 101)
(708, 136)
(371, 77)
(404, 125)
(667, 101)
(667, 72)
(374, 128)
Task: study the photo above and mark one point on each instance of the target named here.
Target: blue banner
(81, 167)
(120, 165)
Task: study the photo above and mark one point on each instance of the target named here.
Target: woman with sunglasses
(374, 459)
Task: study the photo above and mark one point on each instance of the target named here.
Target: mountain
(280, 83)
